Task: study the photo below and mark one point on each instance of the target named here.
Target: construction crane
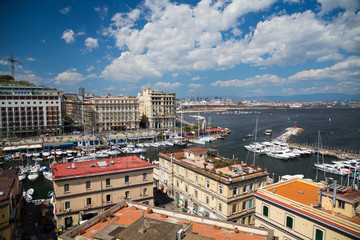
(12, 60)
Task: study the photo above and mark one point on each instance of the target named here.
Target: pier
(289, 135)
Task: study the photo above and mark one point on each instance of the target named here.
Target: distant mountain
(303, 98)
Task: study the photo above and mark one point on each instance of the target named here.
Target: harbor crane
(12, 60)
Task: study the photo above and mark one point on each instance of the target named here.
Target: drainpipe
(334, 197)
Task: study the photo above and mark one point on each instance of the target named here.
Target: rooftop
(129, 220)
(217, 166)
(97, 167)
(8, 179)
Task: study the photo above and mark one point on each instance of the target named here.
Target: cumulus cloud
(179, 37)
(196, 86)
(89, 69)
(71, 77)
(65, 10)
(68, 36)
(329, 5)
(91, 43)
(166, 85)
(31, 59)
(259, 79)
(195, 78)
(349, 69)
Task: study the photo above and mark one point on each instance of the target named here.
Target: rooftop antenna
(255, 140)
(12, 60)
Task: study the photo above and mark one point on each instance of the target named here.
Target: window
(169, 165)
(126, 179)
(186, 188)
(127, 195)
(207, 199)
(66, 188)
(251, 187)
(220, 189)
(235, 190)
(220, 207)
(289, 222)
(260, 183)
(88, 201)
(145, 191)
(144, 176)
(177, 183)
(196, 194)
(341, 204)
(67, 205)
(244, 188)
(319, 235)
(265, 211)
(234, 208)
(177, 169)
(244, 205)
(107, 182)
(207, 183)
(186, 173)
(108, 198)
(196, 178)
(88, 185)
(250, 203)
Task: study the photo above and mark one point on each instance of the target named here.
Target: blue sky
(193, 48)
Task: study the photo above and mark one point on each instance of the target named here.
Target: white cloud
(110, 88)
(196, 78)
(182, 38)
(102, 11)
(91, 43)
(89, 69)
(259, 79)
(175, 75)
(349, 69)
(68, 36)
(31, 59)
(256, 91)
(65, 10)
(195, 86)
(166, 85)
(329, 5)
(71, 77)
(4, 62)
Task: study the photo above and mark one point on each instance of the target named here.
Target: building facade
(85, 189)
(105, 114)
(29, 110)
(301, 209)
(157, 109)
(206, 184)
(10, 199)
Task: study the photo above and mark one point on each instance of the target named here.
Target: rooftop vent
(301, 192)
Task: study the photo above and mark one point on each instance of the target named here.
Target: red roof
(96, 167)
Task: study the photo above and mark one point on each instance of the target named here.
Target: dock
(289, 135)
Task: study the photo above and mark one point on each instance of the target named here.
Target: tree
(5, 78)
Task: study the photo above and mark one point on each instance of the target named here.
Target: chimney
(320, 197)
(334, 197)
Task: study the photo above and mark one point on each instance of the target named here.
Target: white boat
(268, 132)
(33, 175)
(168, 143)
(58, 152)
(140, 145)
(28, 198)
(332, 168)
(38, 159)
(30, 191)
(113, 152)
(22, 175)
(48, 175)
(154, 144)
(133, 150)
(288, 177)
(147, 145)
(46, 153)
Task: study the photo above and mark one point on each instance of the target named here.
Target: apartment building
(10, 197)
(29, 110)
(85, 189)
(134, 221)
(157, 109)
(301, 209)
(203, 183)
(104, 114)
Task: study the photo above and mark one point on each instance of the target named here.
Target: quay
(289, 135)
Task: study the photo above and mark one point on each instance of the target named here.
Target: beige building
(301, 209)
(209, 185)
(110, 113)
(10, 198)
(85, 189)
(134, 221)
(157, 109)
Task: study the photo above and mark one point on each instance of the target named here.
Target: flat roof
(301, 192)
(100, 166)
